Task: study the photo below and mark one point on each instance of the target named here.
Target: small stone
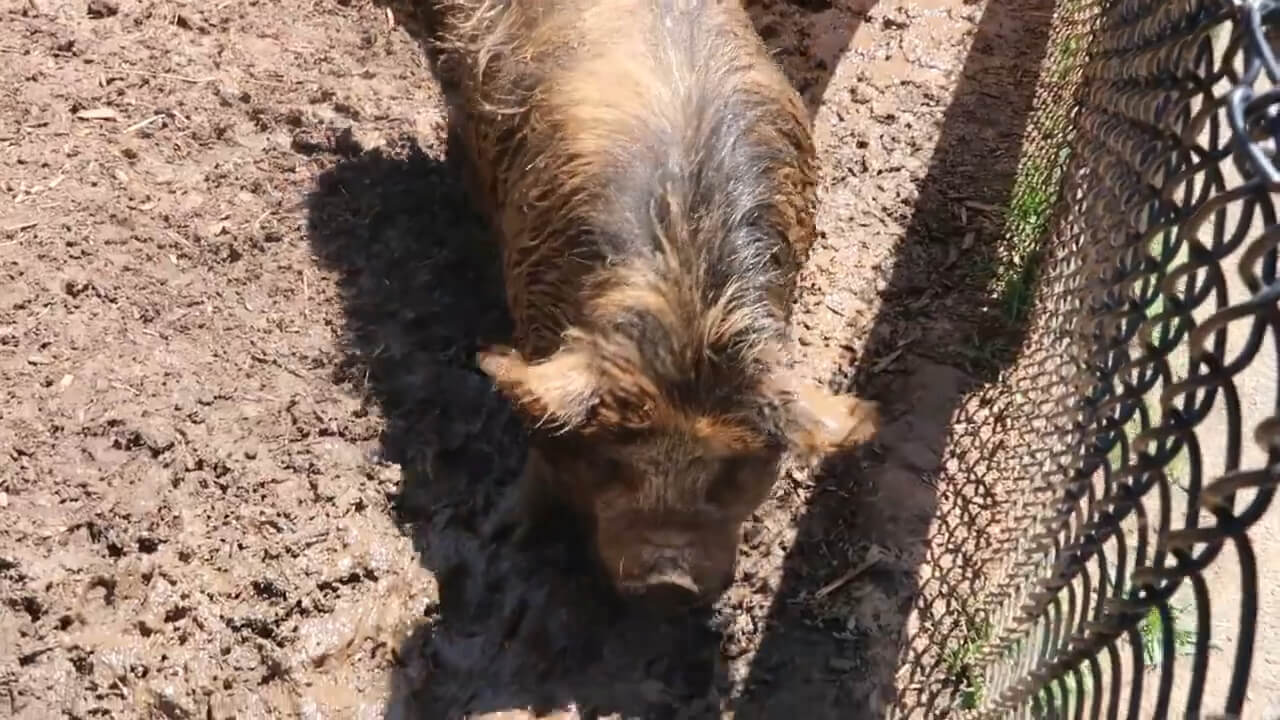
(99, 9)
(841, 664)
(76, 286)
(156, 437)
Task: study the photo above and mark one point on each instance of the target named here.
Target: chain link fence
(1129, 570)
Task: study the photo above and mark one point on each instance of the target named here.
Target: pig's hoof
(529, 531)
(865, 416)
(512, 523)
(503, 526)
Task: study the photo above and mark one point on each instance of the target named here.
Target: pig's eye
(727, 482)
(611, 473)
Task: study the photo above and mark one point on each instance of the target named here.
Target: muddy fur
(650, 175)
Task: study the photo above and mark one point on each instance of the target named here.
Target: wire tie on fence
(1216, 501)
(1107, 504)
(1121, 607)
(1029, 614)
(1039, 597)
(1098, 627)
(1047, 536)
(1267, 434)
(1153, 577)
(1188, 538)
(1219, 494)
(1238, 98)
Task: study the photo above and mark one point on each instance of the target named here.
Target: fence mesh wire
(1139, 427)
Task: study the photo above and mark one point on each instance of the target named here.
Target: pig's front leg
(532, 511)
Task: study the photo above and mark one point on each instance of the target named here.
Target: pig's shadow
(507, 628)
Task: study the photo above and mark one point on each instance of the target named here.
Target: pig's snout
(666, 585)
(666, 569)
(669, 583)
(672, 593)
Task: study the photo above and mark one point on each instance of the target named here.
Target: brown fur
(650, 175)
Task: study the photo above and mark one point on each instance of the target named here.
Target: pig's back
(612, 133)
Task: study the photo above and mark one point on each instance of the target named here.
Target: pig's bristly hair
(654, 185)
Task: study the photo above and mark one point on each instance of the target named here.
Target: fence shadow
(909, 526)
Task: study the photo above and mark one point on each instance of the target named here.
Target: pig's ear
(559, 391)
(817, 422)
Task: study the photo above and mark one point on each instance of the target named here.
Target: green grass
(1060, 698)
(1065, 59)
(1151, 630)
(1030, 205)
(960, 664)
(1046, 152)
(1031, 202)
(1060, 701)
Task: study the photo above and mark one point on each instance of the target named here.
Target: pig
(649, 174)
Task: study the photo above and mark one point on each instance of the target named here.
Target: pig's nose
(670, 591)
(669, 584)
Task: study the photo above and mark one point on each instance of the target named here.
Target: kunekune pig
(650, 175)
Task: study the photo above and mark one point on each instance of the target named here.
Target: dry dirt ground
(244, 453)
